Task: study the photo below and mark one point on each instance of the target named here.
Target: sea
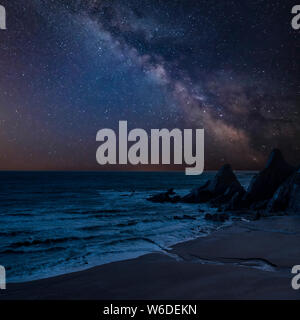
(53, 223)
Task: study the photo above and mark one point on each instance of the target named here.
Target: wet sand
(248, 260)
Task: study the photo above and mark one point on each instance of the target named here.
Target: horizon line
(110, 171)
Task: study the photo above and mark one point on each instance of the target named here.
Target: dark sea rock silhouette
(235, 189)
(165, 197)
(198, 195)
(294, 202)
(275, 189)
(221, 189)
(287, 196)
(235, 203)
(260, 205)
(266, 182)
(263, 185)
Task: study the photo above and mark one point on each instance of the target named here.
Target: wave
(184, 217)
(101, 227)
(150, 220)
(128, 224)
(19, 214)
(16, 233)
(53, 249)
(95, 211)
(91, 228)
(50, 241)
(132, 239)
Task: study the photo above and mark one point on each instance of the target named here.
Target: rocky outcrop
(266, 182)
(287, 196)
(198, 195)
(234, 189)
(260, 205)
(263, 185)
(169, 196)
(235, 203)
(221, 188)
(275, 189)
(294, 202)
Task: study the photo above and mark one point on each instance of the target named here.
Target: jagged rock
(294, 203)
(281, 197)
(171, 191)
(175, 199)
(261, 205)
(223, 182)
(198, 195)
(217, 217)
(165, 197)
(234, 188)
(287, 196)
(266, 182)
(263, 185)
(235, 203)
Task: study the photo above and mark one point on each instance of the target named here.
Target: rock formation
(169, 196)
(287, 196)
(198, 195)
(266, 182)
(263, 185)
(275, 189)
(223, 186)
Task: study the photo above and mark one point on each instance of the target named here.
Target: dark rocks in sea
(294, 201)
(275, 189)
(287, 196)
(260, 205)
(217, 217)
(198, 195)
(266, 182)
(263, 185)
(235, 189)
(169, 196)
(235, 203)
(219, 190)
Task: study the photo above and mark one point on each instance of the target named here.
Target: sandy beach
(248, 260)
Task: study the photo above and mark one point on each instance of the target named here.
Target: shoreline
(246, 260)
(163, 251)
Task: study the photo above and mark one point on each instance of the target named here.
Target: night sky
(71, 68)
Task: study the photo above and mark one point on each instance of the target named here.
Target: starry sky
(70, 68)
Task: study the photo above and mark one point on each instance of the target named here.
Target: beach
(247, 260)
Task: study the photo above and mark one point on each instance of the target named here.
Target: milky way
(70, 68)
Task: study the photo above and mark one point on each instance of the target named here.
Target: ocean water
(57, 222)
